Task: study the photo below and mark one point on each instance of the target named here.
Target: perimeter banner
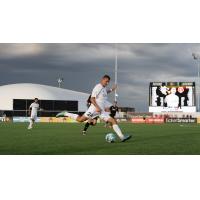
(147, 120)
(56, 120)
(45, 119)
(6, 119)
(24, 119)
(181, 120)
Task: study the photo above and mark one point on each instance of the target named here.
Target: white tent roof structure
(42, 92)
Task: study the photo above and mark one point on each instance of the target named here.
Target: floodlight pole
(198, 85)
(196, 56)
(116, 71)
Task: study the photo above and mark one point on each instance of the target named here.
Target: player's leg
(107, 110)
(90, 122)
(115, 126)
(31, 123)
(67, 114)
(90, 113)
(94, 121)
(76, 117)
(87, 124)
(108, 124)
(118, 131)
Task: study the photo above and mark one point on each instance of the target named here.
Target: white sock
(71, 115)
(31, 123)
(118, 131)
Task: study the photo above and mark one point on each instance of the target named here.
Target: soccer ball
(110, 137)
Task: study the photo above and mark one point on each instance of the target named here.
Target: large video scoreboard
(172, 96)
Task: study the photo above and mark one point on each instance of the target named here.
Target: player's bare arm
(112, 89)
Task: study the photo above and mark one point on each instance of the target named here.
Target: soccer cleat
(61, 114)
(127, 137)
(30, 127)
(84, 132)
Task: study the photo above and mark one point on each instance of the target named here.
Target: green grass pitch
(66, 139)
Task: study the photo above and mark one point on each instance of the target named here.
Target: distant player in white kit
(33, 110)
(97, 108)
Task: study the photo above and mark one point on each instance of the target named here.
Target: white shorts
(91, 113)
(33, 117)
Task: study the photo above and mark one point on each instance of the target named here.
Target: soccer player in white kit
(97, 108)
(33, 110)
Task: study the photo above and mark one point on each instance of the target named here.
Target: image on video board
(172, 96)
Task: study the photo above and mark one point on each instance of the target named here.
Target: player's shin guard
(118, 131)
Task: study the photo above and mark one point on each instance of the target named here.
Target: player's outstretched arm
(112, 89)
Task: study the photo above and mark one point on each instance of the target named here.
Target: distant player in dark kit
(113, 110)
(90, 122)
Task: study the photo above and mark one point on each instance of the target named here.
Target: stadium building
(15, 99)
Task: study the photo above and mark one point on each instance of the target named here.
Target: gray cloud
(82, 65)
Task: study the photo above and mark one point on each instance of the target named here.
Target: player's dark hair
(36, 99)
(106, 76)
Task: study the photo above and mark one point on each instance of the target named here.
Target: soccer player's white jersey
(100, 94)
(34, 109)
(107, 104)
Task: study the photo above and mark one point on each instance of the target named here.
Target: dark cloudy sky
(81, 66)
